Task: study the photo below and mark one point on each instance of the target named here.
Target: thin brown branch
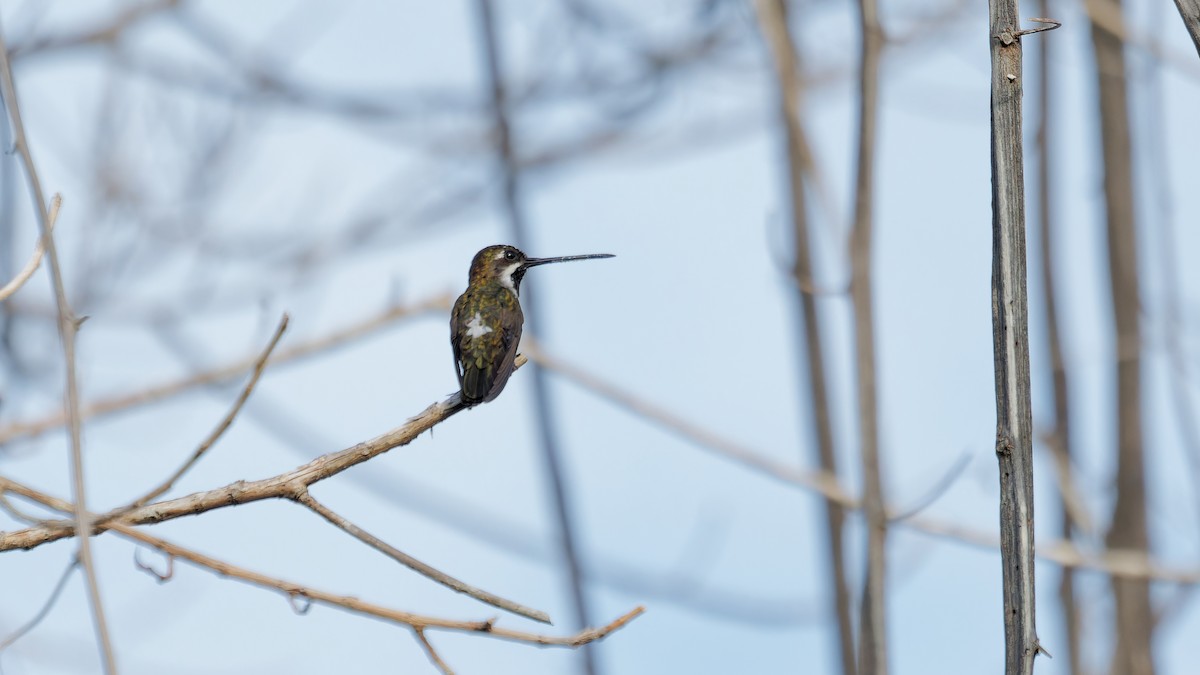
(357, 606)
(68, 325)
(872, 645)
(159, 392)
(434, 658)
(282, 486)
(303, 497)
(773, 24)
(226, 421)
(35, 260)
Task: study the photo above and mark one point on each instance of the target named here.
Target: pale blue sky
(694, 314)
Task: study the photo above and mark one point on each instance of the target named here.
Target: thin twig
(156, 393)
(431, 652)
(35, 260)
(934, 493)
(303, 497)
(353, 604)
(217, 431)
(68, 324)
(46, 607)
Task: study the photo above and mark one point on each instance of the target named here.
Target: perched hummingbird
(485, 325)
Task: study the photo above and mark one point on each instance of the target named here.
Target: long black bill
(534, 262)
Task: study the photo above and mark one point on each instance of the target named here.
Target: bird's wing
(509, 338)
(454, 338)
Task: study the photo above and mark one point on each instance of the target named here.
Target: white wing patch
(475, 327)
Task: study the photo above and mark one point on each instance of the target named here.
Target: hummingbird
(485, 324)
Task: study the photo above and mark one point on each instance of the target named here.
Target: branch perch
(292, 485)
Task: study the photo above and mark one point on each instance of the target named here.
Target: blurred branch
(357, 606)
(773, 23)
(514, 215)
(68, 325)
(283, 486)
(1134, 622)
(35, 260)
(872, 646)
(1107, 15)
(107, 33)
(1074, 511)
(159, 392)
(304, 498)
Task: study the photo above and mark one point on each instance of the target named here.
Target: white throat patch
(475, 327)
(506, 277)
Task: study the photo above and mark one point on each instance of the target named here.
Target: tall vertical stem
(872, 645)
(1010, 341)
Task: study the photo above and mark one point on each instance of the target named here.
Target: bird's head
(506, 265)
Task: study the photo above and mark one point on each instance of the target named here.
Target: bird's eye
(509, 255)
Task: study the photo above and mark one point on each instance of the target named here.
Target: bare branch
(35, 260)
(68, 325)
(303, 497)
(361, 607)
